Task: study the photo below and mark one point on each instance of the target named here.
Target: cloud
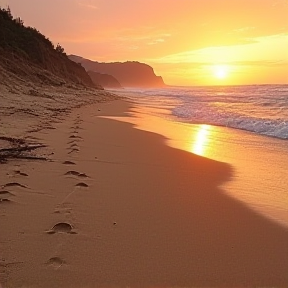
(143, 34)
(268, 49)
(156, 41)
(244, 29)
(87, 4)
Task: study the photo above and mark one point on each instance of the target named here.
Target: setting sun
(220, 71)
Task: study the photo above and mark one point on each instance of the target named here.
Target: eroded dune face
(29, 55)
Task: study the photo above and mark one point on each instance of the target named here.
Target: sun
(220, 71)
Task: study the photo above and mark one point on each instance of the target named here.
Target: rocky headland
(129, 74)
(105, 80)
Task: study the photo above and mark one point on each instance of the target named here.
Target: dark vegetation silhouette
(26, 52)
(60, 49)
(20, 39)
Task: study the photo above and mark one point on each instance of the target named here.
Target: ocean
(243, 126)
(262, 109)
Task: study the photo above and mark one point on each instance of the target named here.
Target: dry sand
(114, 206)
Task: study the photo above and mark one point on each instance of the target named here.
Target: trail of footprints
(73, 149)
(74, 138)
(6, 195)
(64, 208)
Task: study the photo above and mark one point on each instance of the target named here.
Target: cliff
(129, 74)
(27, 55)
(105, 80)
(38, 86)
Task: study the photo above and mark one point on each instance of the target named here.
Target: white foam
(261, 109)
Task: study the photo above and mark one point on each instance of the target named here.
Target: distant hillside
(28, 55)
(129, 74)
(105, 80)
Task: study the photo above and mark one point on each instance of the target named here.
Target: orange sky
(185, 41)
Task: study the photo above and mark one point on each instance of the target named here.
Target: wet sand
(259, 162)
(115, 206)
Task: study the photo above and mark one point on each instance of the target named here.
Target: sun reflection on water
(201, 140)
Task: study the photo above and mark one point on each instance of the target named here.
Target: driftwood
(19, 151)
(13, 140)
(32, 157)
(21, 148)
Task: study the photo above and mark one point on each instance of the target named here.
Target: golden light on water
(201, 140)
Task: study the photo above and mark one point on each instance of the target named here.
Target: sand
(114, 206)
(259, 163)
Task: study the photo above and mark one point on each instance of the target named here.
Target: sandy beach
(113, 206)
(143, 145)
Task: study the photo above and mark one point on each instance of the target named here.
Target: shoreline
(131, 95)
(261, 186)
(141, 213)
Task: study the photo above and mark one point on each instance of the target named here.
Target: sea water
(262, 109)
(244, 126)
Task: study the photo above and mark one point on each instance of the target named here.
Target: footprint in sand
(66, 211)
(83, 175)
(82, 184)
(63, 208)
(72, 172)
(78, 121)
(61, 227)
(13, 184)
(76, 127)
(18, 172)
(74, 150)
(4, 200)
(74, 132)
(75, 137)
(55, 262)
(5, 193)
(73, 141)
(4, 196)
(73, 147)
(75, 173)
(69, 163)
